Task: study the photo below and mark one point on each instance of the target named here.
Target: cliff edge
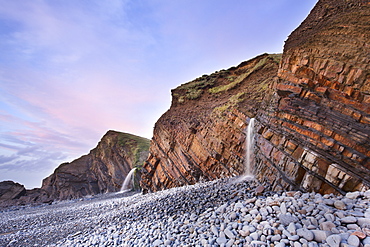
(102, 170)
(312, 113)
(316, 135)
(201, 137)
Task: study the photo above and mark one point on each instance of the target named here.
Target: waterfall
(248, 169)
(128, 183)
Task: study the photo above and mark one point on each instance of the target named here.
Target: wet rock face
(102, 170)
(312, 114)
(201, 137)
(318, 135)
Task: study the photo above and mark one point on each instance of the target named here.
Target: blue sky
(71, 70)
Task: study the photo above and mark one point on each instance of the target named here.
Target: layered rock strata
(102, 170)
(201, 137)
(316, 134)
(312, 114)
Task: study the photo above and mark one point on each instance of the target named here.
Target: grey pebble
(333, 240)
(353, 240)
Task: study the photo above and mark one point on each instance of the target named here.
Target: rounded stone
(339, 205)
(352, 195)
(292, 228)
(293, 237)
(157, 242)
(306, 234)
(229, 233)
(349, 220)
(281, 244)
(232, 216)
(353, 240)
(254, 235)
(221, 240)
(297, 244)
(275, 238)
(333, 240)
(327, 226)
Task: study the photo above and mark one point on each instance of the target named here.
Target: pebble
(327, 226)
(157, 242)
(229, 233)
(349, 220)
(353, 240)
(291, 228)
(320, 236)
(217, 213)
(306, 234)
(339, 205)
(286, 219)
(333, 240)
(352, 195)
(221, 240)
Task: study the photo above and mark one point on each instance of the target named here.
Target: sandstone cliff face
(102, 170)
(201, 137)
(312, 120)
(316, 134)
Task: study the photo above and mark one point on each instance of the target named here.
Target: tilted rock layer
(201, 137)
(312, 113)
(315, 136)
(102, 170)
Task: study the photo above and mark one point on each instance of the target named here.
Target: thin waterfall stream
(248, 161)
(128, 183)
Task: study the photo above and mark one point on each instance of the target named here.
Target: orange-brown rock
(102, 170)
(323, 83)
(201, 137)
(312, 113)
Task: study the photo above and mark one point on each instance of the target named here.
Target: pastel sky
(71, 70)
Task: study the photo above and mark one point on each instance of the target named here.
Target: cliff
(315, 135)
(201, 137)
(312, 112)
(102, 170)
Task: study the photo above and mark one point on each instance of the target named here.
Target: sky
(71, 70)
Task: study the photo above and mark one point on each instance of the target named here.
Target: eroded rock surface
(201, 137)
(312, 113)
(102, 170)
(316, 135)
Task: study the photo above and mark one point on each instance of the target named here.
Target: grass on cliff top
(232, 102)
(235, 80)
(194, 89)
(137, 146)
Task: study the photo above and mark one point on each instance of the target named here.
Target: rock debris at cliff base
(218, 213)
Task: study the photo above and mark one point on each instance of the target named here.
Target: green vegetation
(137, 145)
(193, 93)
(232, 102)
(199, 83)
(235, 80)
(194, 89)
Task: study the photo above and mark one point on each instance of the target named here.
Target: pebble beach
(225, 212)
